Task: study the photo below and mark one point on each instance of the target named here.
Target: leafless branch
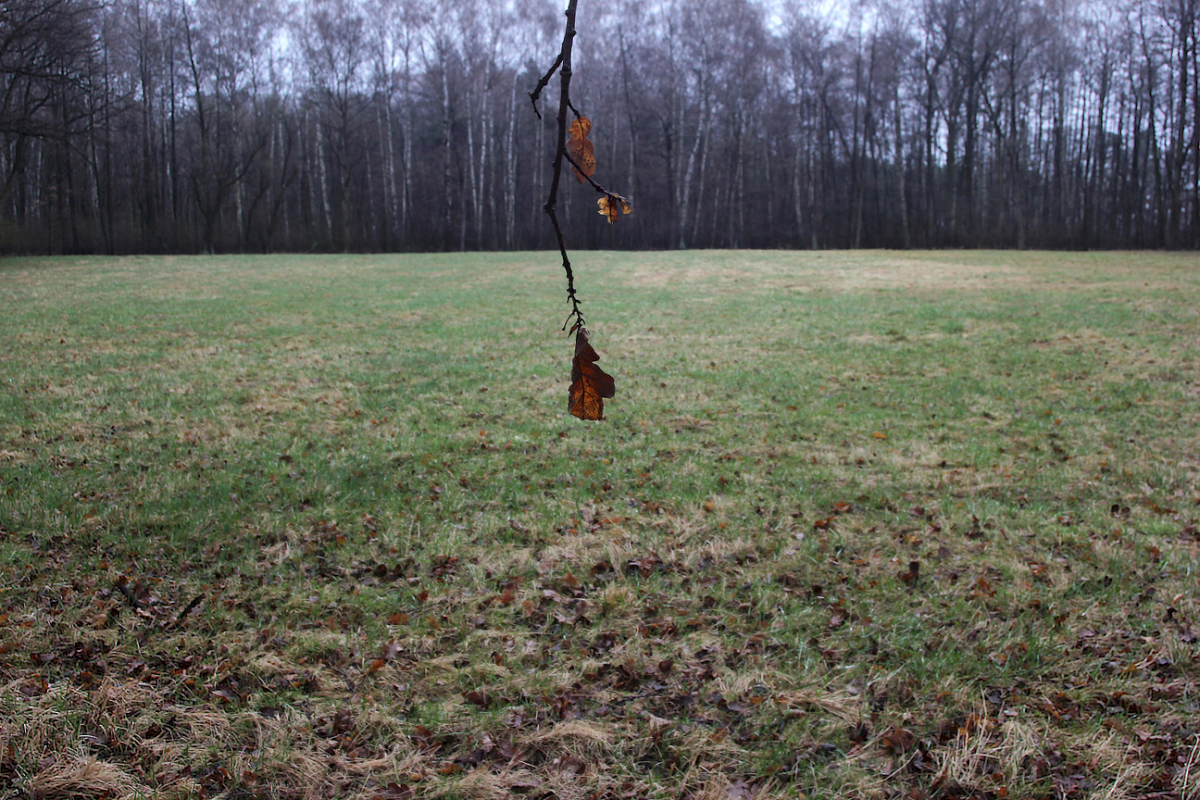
(536, 94)
(563, 65)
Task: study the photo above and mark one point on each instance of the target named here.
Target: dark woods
(349, 125)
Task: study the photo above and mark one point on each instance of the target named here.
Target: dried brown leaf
(613, 204)
(589, 384)
(583, 153)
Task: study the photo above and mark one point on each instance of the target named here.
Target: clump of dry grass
(86, 777)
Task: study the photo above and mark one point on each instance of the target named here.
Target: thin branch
(122, 586)
(187, 610)
(536, 94)
(588, 178)
(563, 65)
(576, 313)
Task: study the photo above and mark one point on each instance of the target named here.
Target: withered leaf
(589, 384)
(897, 740)
(583, 153)
(579, 129)
(478, 698)
(613, 204)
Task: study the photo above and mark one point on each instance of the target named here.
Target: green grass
(857, 525)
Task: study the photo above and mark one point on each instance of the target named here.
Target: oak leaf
(611, 205)
(589, 384)
(582, 151)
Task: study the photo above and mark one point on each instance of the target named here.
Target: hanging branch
(589, 384)
(611, 202)
(563, 65)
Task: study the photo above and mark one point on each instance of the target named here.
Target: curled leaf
(589, 384)
(579, 129)
(611, 205)
(583, 153)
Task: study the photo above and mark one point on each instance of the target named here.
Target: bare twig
(563, 65)
(588, 178)
(122, 586)
(187, 610)
(536, 94)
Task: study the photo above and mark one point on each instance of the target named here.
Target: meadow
(857, 525)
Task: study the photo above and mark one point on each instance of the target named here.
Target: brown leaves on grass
(589, 384)
(583, 153)
(661, 649)
(825, 523)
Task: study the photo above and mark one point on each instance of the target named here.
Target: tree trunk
(387, 162)
(323, 183)
(901, 172)
(472, 175)
(510, 171)
(687, 177)
(447, 144)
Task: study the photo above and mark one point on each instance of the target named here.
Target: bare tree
(153, 125)
(45, 50)
(335, 52)
(222, 41)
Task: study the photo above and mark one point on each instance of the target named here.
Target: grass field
(858, 525)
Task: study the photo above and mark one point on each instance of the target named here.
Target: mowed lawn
(857, 525)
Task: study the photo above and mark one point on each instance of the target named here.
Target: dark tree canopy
(352, 125)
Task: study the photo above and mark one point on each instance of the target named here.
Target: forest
(192, 126)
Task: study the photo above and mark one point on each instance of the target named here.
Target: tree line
(406, 125)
